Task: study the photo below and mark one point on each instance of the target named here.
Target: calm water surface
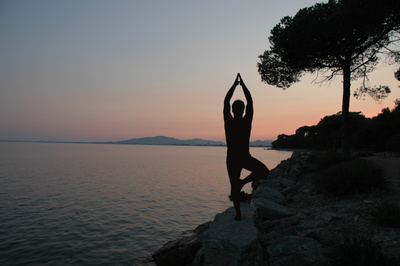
(91, 204)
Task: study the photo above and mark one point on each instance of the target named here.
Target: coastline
(203, 144)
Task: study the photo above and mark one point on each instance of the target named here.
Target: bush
(393, 143)
(326, 159)
(354, 245)
(386, 214)
(359, 251)
(349, 177)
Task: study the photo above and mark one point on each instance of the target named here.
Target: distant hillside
(261, 143)
(162, 140)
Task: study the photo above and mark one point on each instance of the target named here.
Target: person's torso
(237, 134)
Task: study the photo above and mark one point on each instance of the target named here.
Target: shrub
(349, 177)
(354, 245)
(393, 143)
(326, 159)
(359, 251)
(386, 214)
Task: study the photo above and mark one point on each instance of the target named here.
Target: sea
(105, 204)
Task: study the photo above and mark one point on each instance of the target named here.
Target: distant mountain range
(261, 143)
(162, 140)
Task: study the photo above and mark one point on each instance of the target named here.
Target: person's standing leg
(236, 185)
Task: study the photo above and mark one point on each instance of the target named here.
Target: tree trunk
(345, 108)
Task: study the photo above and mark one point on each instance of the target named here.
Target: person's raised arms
(228, 97)
(249, 99)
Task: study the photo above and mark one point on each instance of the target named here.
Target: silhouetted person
(237, 134)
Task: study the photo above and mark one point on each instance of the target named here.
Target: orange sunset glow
(108, 71)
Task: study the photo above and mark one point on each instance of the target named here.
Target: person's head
(238, 108)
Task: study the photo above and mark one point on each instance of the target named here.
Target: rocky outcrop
(230, 242)
(277, 220)
(181, 251)
(178, 252)
(269, 210)
(284, 223)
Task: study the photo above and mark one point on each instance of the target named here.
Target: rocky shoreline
(284, 223)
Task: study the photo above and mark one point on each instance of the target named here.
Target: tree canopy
(341, 37)
(379, 133)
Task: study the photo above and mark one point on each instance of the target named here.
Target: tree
(344, 37)
(385, 129)
(328, 130)
(377, 93)
(397, 74)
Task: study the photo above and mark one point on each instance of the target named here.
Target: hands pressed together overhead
(238, 80)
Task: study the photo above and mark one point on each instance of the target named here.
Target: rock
(274, 174)
(295, 250)
(368, 201)
(292, 220)
(295, 168)
(202, 228)
(287, 182)
(148, 261)
(327, 217)
(269, 224)
(199, 258)
(283, 225)
(181, 251)
(314, 234)
(230, 242)
(269, 210)
(266, 192)
(288, 197)
(284, 164)
(288, 190)
(296, 155)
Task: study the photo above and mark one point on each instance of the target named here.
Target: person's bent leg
(257, 168)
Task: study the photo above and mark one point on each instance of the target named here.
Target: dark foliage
(349, 177)
(387, 214)
(397, 74)
(380, 133)
(354, 245)
(377, 93)
(360, 252)
(327, 159)
(343, 37)
(384, 130)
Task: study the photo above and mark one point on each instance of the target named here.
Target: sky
(115, 70)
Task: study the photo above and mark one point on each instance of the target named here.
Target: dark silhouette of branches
(345, 37)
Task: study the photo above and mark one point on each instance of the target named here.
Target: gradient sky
(113, 70)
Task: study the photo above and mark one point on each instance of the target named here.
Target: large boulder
(230, 242)
(266, 192)
(269, 210)
(181, 251)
